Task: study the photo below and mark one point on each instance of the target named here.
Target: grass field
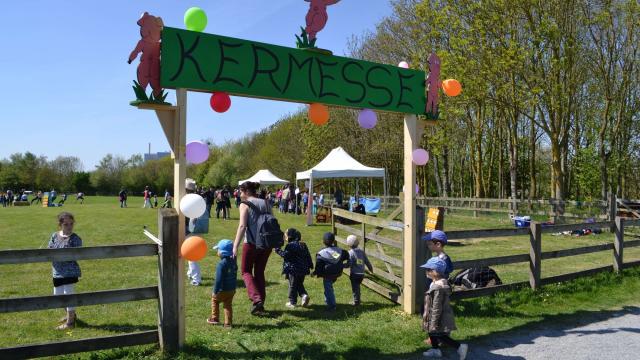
(377, 329)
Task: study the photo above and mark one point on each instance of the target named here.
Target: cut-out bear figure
(149, 67)
(433, 84)
(317, 16)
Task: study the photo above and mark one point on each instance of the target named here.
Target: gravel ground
(611, 335)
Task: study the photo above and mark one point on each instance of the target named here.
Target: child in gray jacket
(357, 261)
(437, 319)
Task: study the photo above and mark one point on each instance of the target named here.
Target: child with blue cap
(437, 318)
(225, 284)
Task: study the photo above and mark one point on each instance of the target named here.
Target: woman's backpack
(269, 235)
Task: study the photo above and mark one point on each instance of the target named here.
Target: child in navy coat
(296, 266)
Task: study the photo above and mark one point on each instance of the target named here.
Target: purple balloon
(417, 189)
(367, 118)
(420, 156)
(197, 152)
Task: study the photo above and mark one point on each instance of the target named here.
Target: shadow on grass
(119, 328)
(311, 351)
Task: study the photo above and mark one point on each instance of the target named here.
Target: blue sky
(67, 85)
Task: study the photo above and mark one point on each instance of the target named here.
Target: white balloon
(192, 206)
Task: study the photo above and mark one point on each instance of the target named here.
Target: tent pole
(310, 201)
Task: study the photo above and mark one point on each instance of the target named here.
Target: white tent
(339, 164)
(265, 177)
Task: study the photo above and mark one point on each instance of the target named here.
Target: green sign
(205, 62)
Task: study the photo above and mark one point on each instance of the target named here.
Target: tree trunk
(445, 166)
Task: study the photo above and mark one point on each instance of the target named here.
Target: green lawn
(377, 329)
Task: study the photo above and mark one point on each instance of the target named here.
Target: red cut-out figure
(317, 16)
(149, 67)
(433, 84)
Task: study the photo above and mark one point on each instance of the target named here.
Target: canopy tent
(339, 164)
(265, 177)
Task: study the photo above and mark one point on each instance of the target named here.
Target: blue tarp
(371, 205)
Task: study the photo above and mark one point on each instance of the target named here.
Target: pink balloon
(197, 152)
(367, 118)
(403, 64)
(420, 156)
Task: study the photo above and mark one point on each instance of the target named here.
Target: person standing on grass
(80, 197)
(437, 317)
(147, 198)
(329, 264)
(357, 261)
(38, 198)
(254, 260)
(195, 226)
(65, 273)
(296, 266)
(63, 199)
(227, 201)
(225, 285)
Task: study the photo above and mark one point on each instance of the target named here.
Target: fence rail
(82, 253)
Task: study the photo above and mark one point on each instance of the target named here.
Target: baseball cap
(438, 235)
(435, 263)
(225, 246)
(328, 236)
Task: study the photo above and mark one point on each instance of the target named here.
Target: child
(437, 318)
(329, 264)
(155, 200)
(357, 260)
(225, 285)
(436, 241)
(65, 273)
(296, 265)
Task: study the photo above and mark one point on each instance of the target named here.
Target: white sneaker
(305, 300)
(462, 351)
(290, 305)
(432, 353)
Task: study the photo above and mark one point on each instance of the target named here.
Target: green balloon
(195, 19)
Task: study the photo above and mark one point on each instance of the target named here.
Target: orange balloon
(194, 248)
(451, 87)
(318, 114)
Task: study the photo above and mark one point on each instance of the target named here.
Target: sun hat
(225, 247)
(352, 241)
(435, 235)
(190, 184)
(435, 263)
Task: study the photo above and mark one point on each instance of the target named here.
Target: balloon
(417, 188)
(318, 114)
(403, 64)
(192, 206)
(197, 152)
(194, 248)
(195, 19)
(451, 87)
(420, 156)
(367, 118)
(220, 102)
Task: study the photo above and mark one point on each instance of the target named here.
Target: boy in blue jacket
(225, 284)
(329, 264)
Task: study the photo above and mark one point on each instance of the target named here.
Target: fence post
(618, 244)
(333, 222)
(613, 203)
(169, 272)
(535, 238)
(422, 254)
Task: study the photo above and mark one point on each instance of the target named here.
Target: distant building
(156, 156)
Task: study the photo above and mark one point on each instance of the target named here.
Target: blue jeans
(329, 295)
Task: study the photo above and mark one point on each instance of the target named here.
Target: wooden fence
(391, 284)
(165, 292)
(551, 208)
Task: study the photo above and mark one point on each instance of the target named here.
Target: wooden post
(179, 176)
(422, 254)
(168, 273)
(535, 238)
(409, 271)
(613, 211)
(333, 222)
(618, 244)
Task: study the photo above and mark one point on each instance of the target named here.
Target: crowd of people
(11, 198)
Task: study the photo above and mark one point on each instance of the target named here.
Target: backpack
(269, 234)
(477, 277)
